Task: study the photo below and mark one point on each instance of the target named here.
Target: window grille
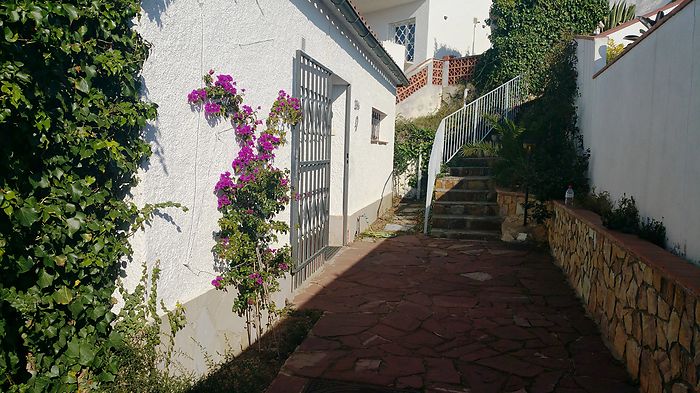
(405, 34)
(376, 120)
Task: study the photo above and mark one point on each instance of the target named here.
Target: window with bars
(405, 34)
(376, 124)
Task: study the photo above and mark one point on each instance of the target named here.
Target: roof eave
(346, 12)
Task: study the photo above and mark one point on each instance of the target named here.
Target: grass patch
(253, 370)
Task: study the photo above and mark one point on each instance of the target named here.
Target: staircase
(465, 202)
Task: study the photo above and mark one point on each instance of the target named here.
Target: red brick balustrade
(437, 72)
(459, 70)
(415, 83)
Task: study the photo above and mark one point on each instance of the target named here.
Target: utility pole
(476, 22)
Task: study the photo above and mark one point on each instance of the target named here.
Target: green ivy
(524, 35)
(411, 142)
(72, 124)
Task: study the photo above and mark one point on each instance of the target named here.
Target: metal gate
(311, 168)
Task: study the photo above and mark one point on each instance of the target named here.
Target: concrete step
(470, 171)
(475, 223)
(459, 195)
(465, 208)
(465, 182)
(466, 234)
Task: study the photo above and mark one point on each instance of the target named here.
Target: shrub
(559, 157)
(410, 142)
(613, 50)
(654, 231)
(250, 197)
(145, 361)
(72, 121)
(600, 203)
(624, 217)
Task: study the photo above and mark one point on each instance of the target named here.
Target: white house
(436, 41)
(430, 28)
(317, 49)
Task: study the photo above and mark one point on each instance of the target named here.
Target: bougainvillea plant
(250, 194)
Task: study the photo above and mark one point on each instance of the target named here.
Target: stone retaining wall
(510, 207)
(510, 203)
(644, 299)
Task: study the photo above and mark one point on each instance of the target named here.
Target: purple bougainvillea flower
(212, 109)
(223, 201)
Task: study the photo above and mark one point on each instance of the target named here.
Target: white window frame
(410, 51)
(377, 117)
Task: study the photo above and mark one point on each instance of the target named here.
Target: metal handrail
(469, 124)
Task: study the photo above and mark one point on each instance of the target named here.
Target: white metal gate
(311, 168)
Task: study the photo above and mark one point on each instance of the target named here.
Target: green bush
(654, 231)
(559, 158)
(599, 203)
(409, 143)
(526, 34)
(623, 217)
(145, 360)
(72, 122)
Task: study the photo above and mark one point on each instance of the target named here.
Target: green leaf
(82, 85)
(87, 354)
(63, 295)
(73, 226)
(71, 11)
(9, 35)
(27, 216)
(45, 279)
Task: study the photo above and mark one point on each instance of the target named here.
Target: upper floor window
(405, 34)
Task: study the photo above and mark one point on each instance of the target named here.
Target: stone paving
(439, 315)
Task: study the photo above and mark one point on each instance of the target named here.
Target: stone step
(466, 234)
(456, 194)
(472, 161)
(465, 183)
(470, 171)
(475, 223)
(466, 208)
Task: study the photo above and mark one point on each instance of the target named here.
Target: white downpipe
(466, 125)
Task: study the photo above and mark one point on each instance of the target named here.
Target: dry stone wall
(644, 299)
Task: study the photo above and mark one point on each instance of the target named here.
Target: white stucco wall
(435, 35)
(640, 119)
(255, 41)
(458, 35)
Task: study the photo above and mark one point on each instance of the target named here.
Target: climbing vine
(250, 195)
(525, 36)
(72, 121)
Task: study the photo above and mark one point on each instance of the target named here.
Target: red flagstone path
(440, 315)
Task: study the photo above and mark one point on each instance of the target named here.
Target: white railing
(469, 125)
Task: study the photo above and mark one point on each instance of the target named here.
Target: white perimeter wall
(435, 35)
(641, 120)
(255, 41)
